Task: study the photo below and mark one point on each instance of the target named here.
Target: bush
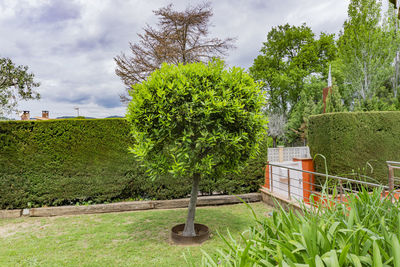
(62, 162)
(351, 140)
(363, 233)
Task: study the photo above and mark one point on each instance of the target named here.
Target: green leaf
(376, 255)
(356, 261)
(343, 254)
(318, 261)
(395, 251)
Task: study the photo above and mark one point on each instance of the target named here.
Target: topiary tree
(196, 120)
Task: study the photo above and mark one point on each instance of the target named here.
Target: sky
(70, 44)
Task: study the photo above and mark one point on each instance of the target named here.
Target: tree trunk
(364, 91)
(396, 73)
(274, 141)
(189, 225)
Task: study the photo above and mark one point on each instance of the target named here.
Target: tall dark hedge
(351, 139)
(61, 162)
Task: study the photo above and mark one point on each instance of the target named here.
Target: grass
(116, 239)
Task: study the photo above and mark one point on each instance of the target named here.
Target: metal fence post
(391, 181)
(272, 180)
(288, 182)
(341, 190)
(267, 178)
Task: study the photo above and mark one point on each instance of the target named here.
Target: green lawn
(115, 239)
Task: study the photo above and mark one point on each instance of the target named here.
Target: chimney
(25, 116)
(45, 114)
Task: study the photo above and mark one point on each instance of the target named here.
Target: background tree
(334, 102)
(180, 37)
(15, 84)
(276, 126)
(310, 103)
(291, 54)
(196, 120)
(367, 48)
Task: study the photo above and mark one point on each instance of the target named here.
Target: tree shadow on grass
(157, 225)
(219, 220)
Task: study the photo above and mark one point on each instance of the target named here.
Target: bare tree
(276, 125)
(180, 37)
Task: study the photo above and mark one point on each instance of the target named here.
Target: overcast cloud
(69, 44)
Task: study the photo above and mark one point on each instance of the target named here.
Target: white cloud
(70, 45)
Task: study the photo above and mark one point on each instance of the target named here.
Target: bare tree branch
(180, 37)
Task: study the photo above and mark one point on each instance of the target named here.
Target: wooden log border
(129, 206)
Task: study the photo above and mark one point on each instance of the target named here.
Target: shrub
(364, 233)
(62, 162)
(351, 140)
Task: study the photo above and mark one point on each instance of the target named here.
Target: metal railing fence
(314, 183)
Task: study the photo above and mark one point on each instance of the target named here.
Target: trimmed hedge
(63, 162)
(349, 140)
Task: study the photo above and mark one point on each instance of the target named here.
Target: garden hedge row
(350, 140)
(62, 162)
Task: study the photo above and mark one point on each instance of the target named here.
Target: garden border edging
(129, 206)
(276, 200)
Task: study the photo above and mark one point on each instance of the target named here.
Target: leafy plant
(364, 232)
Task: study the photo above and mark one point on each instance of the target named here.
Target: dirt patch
(15, 228)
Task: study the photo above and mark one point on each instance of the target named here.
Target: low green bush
(364, 233)
(64, 162)
(355, 142)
